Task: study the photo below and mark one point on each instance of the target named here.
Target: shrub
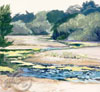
(20, 29)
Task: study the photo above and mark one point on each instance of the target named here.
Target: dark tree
(97, 32)
(28, 17)
(89, 7)
(5, 25)
(56, 34)
(55, 15)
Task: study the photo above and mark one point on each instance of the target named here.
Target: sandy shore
(40, 41)
(91, 52)
(27, 84)
(87, 56)
(30, 42)
(44, 85)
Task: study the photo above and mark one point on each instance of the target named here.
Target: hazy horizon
(20, 6)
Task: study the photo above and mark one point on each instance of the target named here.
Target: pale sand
(90, 56)
(43, 41)
(92, 52)
(30, 42)
(47, 85)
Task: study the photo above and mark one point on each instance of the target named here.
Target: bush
(39, 26)
(20, 29)
(85, 27)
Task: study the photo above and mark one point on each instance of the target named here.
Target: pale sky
(20, 6)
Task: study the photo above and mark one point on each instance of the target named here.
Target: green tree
(26, 18)
(86, 28)
(56, 33)
(55, 15)
(40, 25)
(89, 7)
(5, 25)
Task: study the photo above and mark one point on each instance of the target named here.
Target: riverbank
(46, 85)
(82, 56)
(76, 55)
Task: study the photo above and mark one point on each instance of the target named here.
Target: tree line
(77, 23)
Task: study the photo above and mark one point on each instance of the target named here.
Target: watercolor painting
(49, 46)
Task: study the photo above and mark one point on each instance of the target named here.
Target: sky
(20, 6)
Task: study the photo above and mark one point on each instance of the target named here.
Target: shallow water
(55, 72)
(63, 74)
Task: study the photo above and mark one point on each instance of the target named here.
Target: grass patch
(67, 55)
(7, 58)
(3, 68)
